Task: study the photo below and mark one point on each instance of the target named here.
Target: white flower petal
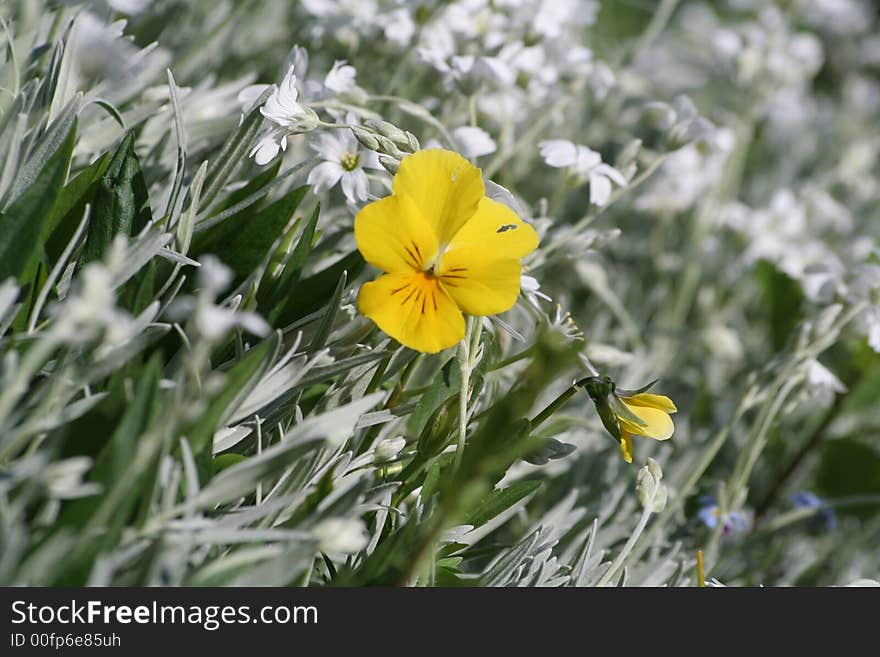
(473, 142)
(558, 152)
(248, 96)
(325, 175)
(610, 172)
(600, 190)
(266, 149)
(355, 185)
(341, 77)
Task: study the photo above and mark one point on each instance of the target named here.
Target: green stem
(376, 381)
(658, 23)
(554, 406)
(621, 559)
(466, 354)
(417, 111)
(510, 360)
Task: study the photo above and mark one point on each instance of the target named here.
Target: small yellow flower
(653, 411)
(445, 249)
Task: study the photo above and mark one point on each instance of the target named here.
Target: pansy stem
(555, 405)
(468, 350)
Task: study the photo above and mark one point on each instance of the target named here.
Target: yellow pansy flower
(653, 411)
(628, 413)
(446, 249)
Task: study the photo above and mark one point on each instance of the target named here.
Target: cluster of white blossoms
(585, 165)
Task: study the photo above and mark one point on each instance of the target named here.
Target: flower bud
(651, 492)
(345, 535)
(389, 448)
(365, 138)
(684, 133)
(659, 116)
(628, 155)
(389, 163)
(305, 121)
(654, 469)
(413, 142)
(388, 130)
(387, 146)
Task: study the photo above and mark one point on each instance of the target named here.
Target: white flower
(584, 163)
(283, 110)
(129, 6)
(249, 95)
(872, 325)
(341, 535)
(213, 274)
(473, 142)
(210, 320)
(266, 149)
(389, 448)
(90, 310)
(341, 77)
(399, 27)
(213, 322)
(343, 162)
(822, 382)
(531, 290)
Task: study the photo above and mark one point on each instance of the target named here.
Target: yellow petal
(626, 447)
(445, 186)
(477, 285)
(653, 401)
(393, 235)
(658, 424)
(497, 232)
(414, 310)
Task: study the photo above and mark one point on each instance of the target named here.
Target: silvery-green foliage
(188, 394)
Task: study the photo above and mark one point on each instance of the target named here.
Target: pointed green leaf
(498, 501)
(23, 223)
(118, 206)
(243, 240)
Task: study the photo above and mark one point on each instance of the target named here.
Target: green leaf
(326, 325)
(233, 152)
(120, 205)
(120, 448)
(292, 264)
(498, 501)
(442, 388)
(70, 205)
(227, 461)
(303, 247)
(256, 184)
(243, 240)
(783, 301)
(310, 294)
(23, 223)
(239, 381)
(547, 449)
(848, 467)
(53, 142)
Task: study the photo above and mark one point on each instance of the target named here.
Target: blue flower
(735, 522)
(824, 518)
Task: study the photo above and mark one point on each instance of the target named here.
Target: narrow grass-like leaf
(22, 223)
(327, 321)
(234, 151)
(52, 142)
(499, 501)
(243, 241)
